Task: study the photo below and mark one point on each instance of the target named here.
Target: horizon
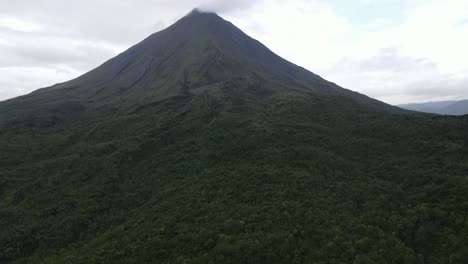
(41, 52)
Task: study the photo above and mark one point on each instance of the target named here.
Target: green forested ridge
(217, 164)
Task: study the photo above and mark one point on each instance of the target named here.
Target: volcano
(199, 50)
(200, 145)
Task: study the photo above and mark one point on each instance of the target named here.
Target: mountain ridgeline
(200, 145)
(441, 107)
(199, 50)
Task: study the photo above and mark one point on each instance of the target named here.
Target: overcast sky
(397, 51)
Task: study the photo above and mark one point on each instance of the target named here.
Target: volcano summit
(200, 145)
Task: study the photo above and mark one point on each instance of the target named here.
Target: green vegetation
(244, 170)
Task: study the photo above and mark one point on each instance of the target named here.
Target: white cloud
(18, 25)
(16, 81)
(431, 38)
(301, 31)
(427, 47)
(44, 42)
(414, 53)
(394, 77)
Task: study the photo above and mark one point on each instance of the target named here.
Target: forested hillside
(199, 145)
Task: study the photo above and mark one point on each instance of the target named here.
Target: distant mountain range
(440, 107)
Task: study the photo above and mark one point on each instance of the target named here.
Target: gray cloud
(392, 77)
(226, 6)
(69, 38)
(115, 21)
(42, 54)
(48, 41)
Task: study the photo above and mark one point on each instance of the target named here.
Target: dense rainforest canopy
(200, 145)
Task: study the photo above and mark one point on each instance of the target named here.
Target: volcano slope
(200, 145)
